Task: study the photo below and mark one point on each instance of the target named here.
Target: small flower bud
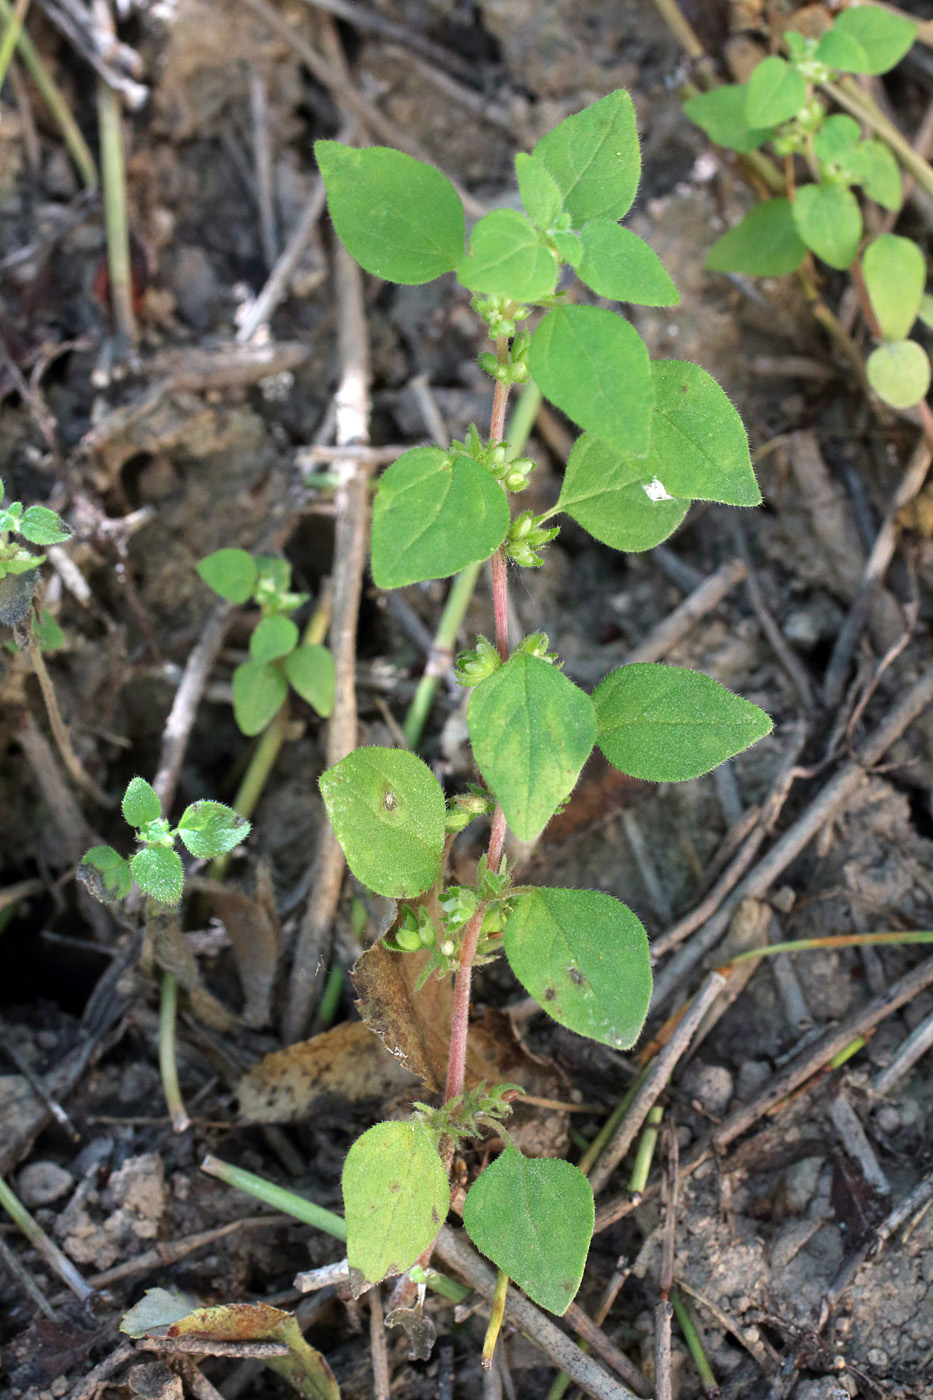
(474, 666)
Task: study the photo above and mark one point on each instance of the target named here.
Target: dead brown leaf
(255, 933)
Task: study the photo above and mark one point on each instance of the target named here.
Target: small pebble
(710, 1085)
(41, 1183)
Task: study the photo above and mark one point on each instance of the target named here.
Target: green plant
(655, 437)
(781, 105)
(206, 829)
(278, 656)
(19, 567)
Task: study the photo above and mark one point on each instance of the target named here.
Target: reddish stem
(460, 1018)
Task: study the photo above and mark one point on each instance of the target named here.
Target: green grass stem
(168, 1054)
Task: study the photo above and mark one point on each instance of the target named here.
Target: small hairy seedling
(654, 437)
(19, 566)
(278, 656)
(785, 104)
(206, 829)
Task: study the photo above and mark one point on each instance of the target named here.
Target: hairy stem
(168, 1062)
(460, 1018)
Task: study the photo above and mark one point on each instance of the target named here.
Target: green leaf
(106, 874)
(533, 1217)
(209, 829)
(508, 257)
(141, 803)
(699, 450)
(274, 637)
(399, 218)
(48, 633)
(539, 190)
(883, 37)
(895, 275)
(829, 221)
(765, 244)
(836, 139)
(259, 690)
(615, 498)
(874, 167)
(531, 730)
(595, 159)
(387, 810)
(273, 576)
(667, 724)
(926, 310)
(594, 366)
(721, 114)
(231, 573)
(310, 671)
(842, 51)
(776, 92)
(40, 525)
(617, 264)
(569, 246)
(433, 516)
(158, 871)
(899, 372)
(584, 958)
(396, 1197)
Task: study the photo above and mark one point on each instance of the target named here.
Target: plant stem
(850, 96)
(694, 1344)
(59, 730)
(277, 1197)
(11, 33)
(116, 220)
(460, 1016)
(645, 1153)
(168, 1059)
(77, 147)
(40, 1241)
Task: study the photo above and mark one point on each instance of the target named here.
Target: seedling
(781, 105)
(206, 829)
(19, 566)
(278, 656)
(655, 436)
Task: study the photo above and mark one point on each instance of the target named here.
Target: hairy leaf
(595, 160)
(508, 257)
(594, 365)
(533, 1217)
(539, 190)
(829, 221)
(40, 525)
(667, 723)
(531, 730)
(721, 114)
(617, 264)
(776, 92)
(259, 690)
(158, 870)
(765, 244)
(433, 516)
(310, 671)
(387, 810)
(209, 829)
(140, 803)
(231, 573)
(398, 217)
(616, 499)
(396, 1197)
(274, 637)
(106, 874)
(583, 956)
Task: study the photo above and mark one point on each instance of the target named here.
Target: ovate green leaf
(836, 138)
(842, 51)
(595, 160)
(209, 829)
(533, 1217)
(140, 803)
(396, 1197)
(274, 637)
(899, 372)
(40, 525)
(434, 515)
(594, 365)
(615, 498)
(829, 221)
(539, 190)
(699, 450)
(617, 264)
(259, 690)
(158, 870)
(531, 730)
(399, 218)
(231, 573)
(765, 244)
(310, 670)
(776, 92)
(874, 167)
(721, 114)
(508, 257)
(895, 275)
(884, 37)
(387, 810)
(667, 723)
(583, 956)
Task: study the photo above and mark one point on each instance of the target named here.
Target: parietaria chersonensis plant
(19, 566)
(784, 104)
(207, 830)
(655, 436)
(278, 656)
